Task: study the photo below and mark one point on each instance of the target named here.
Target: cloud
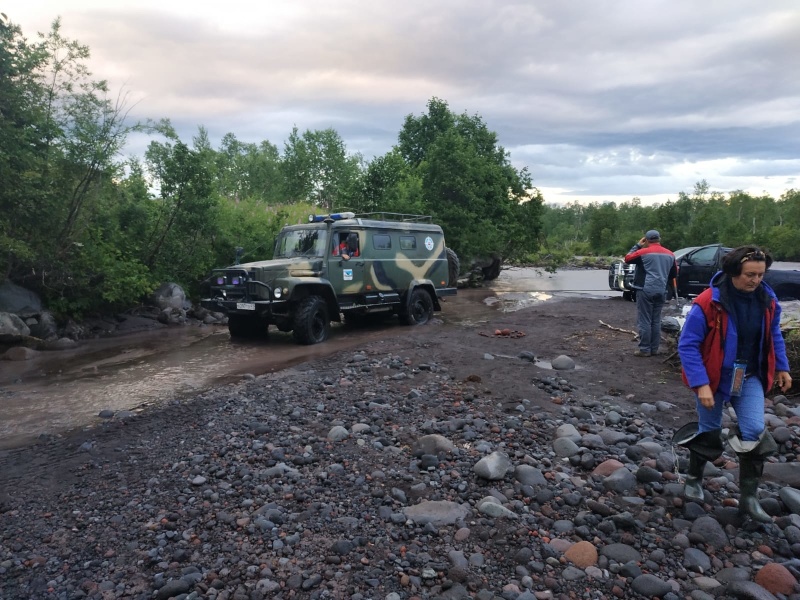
(598, 98)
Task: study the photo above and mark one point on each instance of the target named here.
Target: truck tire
(246, 327)
(312, 325)
(453, 267)
(420, 308)
(492, 272)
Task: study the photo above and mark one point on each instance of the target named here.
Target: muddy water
(67, 389)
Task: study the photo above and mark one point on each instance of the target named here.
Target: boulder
(16, 299)
(19, 353)
(45, 326)
(169, 295)
(12, 328)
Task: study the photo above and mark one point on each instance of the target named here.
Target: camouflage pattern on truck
(339, 264)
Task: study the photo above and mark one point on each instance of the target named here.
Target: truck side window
(381, 241)
(408, 242)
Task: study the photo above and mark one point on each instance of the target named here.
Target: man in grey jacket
(655, 270)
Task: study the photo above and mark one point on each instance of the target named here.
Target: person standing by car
(655, 269)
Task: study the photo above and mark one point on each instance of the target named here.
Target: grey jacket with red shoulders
(655, 267)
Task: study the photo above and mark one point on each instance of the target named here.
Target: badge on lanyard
(737, 381)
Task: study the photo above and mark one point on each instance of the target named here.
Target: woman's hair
(733, 261)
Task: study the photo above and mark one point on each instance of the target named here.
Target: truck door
(697, 268)
(346, 267)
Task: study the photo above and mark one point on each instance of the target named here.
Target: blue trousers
(648, 319)
(749, 409)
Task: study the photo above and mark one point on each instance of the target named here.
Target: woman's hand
(783, 380)
(705, 396)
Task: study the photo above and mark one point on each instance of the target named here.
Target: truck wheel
(312, 324)
(245, 327)
(420, 308)
(453, 267)
(492, 272)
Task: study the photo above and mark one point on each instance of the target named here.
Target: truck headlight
(277, 293)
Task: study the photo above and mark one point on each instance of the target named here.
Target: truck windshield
(302, 242)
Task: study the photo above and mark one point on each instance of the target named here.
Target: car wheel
(246, 327)
(420, 308)
(312, 324)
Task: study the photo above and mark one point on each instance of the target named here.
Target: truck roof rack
(392, 216)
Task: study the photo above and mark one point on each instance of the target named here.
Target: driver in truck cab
(348, 247)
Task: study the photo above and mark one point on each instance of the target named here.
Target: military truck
(338, 265)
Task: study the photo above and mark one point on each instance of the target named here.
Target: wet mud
(67, 389)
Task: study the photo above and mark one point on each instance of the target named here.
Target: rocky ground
(450, 462)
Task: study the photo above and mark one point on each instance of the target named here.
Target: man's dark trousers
(648, 306)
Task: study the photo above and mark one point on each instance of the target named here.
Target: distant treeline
(692, 220)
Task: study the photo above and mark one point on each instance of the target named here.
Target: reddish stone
(583, 554)
(766, 550)
(607, 467)
(776, 579)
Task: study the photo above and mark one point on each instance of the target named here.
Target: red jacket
(717, 348)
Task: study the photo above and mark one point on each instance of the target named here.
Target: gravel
(381, 476)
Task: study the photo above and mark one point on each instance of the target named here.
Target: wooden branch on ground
(618, 328)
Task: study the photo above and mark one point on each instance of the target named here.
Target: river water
(66, 389)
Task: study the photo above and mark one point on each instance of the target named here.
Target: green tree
(177, 245)
(316, 168)
(603, 226)
(470, 187)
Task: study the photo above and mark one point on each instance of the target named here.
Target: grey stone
(568, 430)
(621, 553)
(435, 443)
(528, 475)
(710, 531)
(494, 466)
(19, 354)
(12, 328)
(565, 447)
(791, 498)
(650, 586)
(747, 590)
(45, 327)
(784, 473)
(338, 433)
(169, 295)
(620, 481)
(437, 512)
(563, 363)
(19, 301)
(696, 560)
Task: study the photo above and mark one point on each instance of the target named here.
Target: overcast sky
(600, 99)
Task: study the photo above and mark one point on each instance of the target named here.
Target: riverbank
(449, 462)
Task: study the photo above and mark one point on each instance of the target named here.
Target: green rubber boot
(693, 489)
(750, 471)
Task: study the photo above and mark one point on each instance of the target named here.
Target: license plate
(245, 306)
